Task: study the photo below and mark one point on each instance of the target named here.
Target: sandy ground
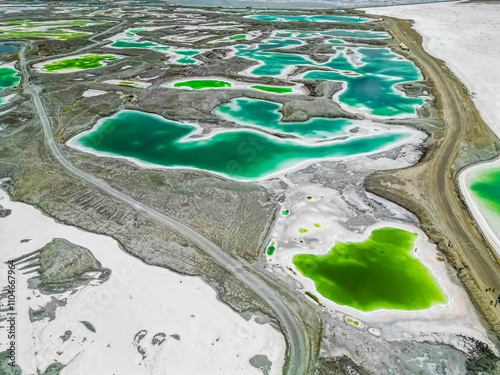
(213, 338)
(465, 36)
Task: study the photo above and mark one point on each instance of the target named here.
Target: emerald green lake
(241, 154)
(8, 78)
(264, 114)
(203, 84)
(369, 86)
(379, 273)
(359, 34)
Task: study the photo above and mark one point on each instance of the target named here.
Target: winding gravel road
(301, 348)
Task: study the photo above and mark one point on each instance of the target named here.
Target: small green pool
(203, 84)
(379, 273)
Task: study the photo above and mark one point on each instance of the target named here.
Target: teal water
(240, 154)
(308, 18)
(264, 114)
(370, 86)
(373, 90)
(180, 56)
(359, 34)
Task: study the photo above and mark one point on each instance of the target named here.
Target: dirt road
(429, 189)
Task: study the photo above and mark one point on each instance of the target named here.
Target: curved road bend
(300, 347)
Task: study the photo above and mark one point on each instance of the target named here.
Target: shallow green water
(264, 114)
(280, 18)
(361, 34)
(82, 62)
(203, 84)
(370, 87)
(485, 186)
(380, 273)
(239, 154)
(278, 90)
(8, 78)
(373, 90)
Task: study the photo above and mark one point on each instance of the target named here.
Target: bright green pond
(241, 154)
(380, 273)
(264, 114)
(82, 62)
(8, 78)
(203, 84)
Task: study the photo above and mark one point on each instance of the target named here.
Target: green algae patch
(314, 298)
(302, 230)
(203, 84)
(285, 212)
(379, 273)
(317, 225)
(271, 249)
(80, 62)
(277, 90)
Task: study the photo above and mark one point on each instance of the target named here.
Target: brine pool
(246, 154)
(369, 74)
(379, 273)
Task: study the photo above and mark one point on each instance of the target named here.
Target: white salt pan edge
(91, 92)
(136, 297)
(464, 35)
(456, 316)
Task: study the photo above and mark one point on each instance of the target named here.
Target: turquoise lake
(279, 18)
(240, 154)
(265, 115)
(370, 85)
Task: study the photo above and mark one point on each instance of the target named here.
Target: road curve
(300, 346)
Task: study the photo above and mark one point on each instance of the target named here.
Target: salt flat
(137, 298)
(465, 36)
